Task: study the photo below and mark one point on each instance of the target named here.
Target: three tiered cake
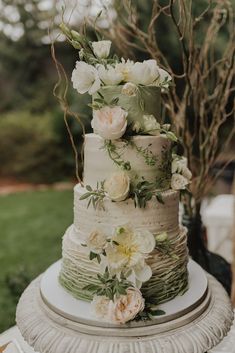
(125, 252)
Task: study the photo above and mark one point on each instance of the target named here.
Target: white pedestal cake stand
(52, 321)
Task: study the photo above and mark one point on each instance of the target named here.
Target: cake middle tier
(147, 157)
(157, 217)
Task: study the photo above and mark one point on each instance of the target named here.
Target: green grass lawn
(31, 228)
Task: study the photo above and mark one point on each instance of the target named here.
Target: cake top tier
(129, 135)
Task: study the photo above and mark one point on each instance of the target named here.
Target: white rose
(178, 182)
(136, 126)
(109, 123)
(166, 127)
(129, 89)
(96, 242)
(178, 163)
(187, 173)
(150, 125)
(101, 48)
(117, 186)
(85, 78)
(127, 306)
(145, 73)
(124, 68)
(109, 76)
(100, 306)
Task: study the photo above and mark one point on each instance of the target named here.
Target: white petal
(146, 241)
(143, 274)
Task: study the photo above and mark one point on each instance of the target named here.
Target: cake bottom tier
(169, 279)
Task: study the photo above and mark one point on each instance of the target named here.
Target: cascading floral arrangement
(120, 89)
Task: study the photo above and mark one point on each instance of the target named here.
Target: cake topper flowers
(131, 83)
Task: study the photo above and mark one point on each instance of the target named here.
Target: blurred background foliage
(31, 119)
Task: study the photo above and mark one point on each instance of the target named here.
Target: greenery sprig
(145, 152)
(109, 286)
(115, 155)
(100, 102)
(84, 45)
(144, 191)
(95, 196)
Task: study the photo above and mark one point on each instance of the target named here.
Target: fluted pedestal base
(192, 325)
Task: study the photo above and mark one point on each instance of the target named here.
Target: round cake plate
(197, 331)
(62, 302)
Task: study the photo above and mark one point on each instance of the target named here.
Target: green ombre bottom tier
(169, 279)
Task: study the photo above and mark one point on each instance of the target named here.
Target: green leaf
(159, 197)
(115, 242)
(121, 290)
(85, 196)
(89, 188)
(141, 104)
(157, 312)
(114, 101)
(92, 255)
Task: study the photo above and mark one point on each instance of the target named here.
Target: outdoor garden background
(37, 169)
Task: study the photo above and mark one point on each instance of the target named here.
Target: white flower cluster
(89, 78)
(181, 175)
(120, 310)
(125, 252)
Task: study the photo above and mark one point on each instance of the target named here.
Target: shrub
(31, 150)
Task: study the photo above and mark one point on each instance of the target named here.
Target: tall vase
(210, 262)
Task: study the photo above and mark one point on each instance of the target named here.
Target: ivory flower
(187, 173)
(126, 307)
(179, 165)
(127, 252)
(85, 78)
(117, 186)
(120, 310)
(109, 76)
(109, 123)
(129, 89)
(96, 242)
(101, 306)
(136, 126)
(144, 73)
(164, 78)
(150, 125)
(124, 68)
(101, 48)
(178, 182)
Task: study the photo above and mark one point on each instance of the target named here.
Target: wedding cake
(125, 252)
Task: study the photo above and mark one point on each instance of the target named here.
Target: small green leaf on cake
(157, 312)
(159, 197)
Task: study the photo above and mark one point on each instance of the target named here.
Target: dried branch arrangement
(205, 77)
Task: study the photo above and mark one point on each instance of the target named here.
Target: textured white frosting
(98, 165)
(156, 217)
